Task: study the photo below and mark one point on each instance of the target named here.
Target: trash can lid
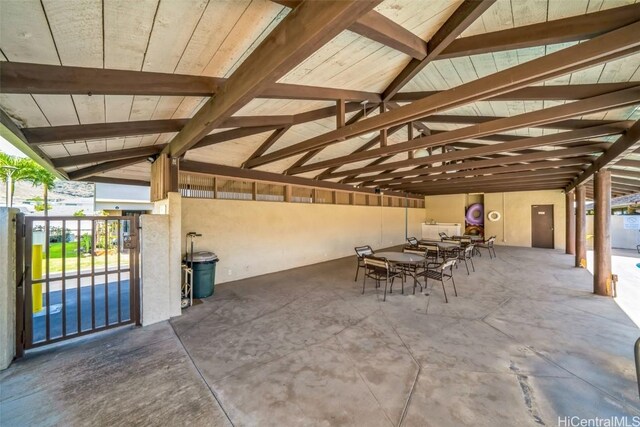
(202, 256)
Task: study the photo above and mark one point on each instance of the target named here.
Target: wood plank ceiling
(462, 96)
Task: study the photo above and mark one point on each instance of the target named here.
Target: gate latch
(129, 242)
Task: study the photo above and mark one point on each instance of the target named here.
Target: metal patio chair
(380, 269)
(361, 252)
(415, 270)
(413, 241)
(466, 254)
(489, 246)
(442, 272)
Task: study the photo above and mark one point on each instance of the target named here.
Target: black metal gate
(81, 276)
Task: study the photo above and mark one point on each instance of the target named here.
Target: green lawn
(71, 259)
(55, 250)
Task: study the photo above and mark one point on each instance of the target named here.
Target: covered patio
(520, 345)
(281, 135)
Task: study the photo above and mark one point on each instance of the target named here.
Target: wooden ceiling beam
(42, 79)
(560, 124)
(461, 18)
(489, 179)
(536, 93)
(489, 184)
(601, 49)
(377, 27)
(623, 146)
(84, 159)
(521, 158)
(257, 175)
(564, 30)
(625, 173)
(542, 166)
(303, 31)
(312, 153)
(547, 115)
(626, 163)
(104, 167)
(444, 178)
(52, 134)
(499, 189)
(121, 181)
(625, 181)
(272, 139)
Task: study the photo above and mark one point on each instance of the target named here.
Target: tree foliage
(28, 171)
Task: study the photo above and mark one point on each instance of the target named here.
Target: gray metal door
(81, 276)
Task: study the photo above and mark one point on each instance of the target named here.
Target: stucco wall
(253, 238)
(620, 238)
(514, 226)
(171, 206)
(447, 208)
(7, 286)
(155, 293)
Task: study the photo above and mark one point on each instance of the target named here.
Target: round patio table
(406, 259)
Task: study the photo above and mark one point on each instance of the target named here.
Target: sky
(7, 147)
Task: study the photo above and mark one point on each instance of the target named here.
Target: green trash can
(204, 273)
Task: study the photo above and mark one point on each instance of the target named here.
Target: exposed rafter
(574, 163)
(104, 167)
(521, 158)
(304, 30)
(603, 48)
(377, 27)
(17, 77)
(625, 144)
(51, 134)
(547, 115)
(84, 159)
(463, 16)
(272, 139)
(564, 30)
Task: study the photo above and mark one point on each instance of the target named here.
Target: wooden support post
(352, 198)
(174, 174)
(340, 113)
(383, 132)
(334, 197)
(602, 234)
(215, 187)
(287, 193)
(581, 227)
(570, 229)
(165, 172)
(254, 190)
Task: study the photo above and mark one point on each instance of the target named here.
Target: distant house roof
(621, 201)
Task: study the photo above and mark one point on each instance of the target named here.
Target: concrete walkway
(626, 264)
(524, 343)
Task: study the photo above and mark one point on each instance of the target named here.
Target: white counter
(430, 231)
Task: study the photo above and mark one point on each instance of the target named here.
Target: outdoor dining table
(403, 258)
(473, 238)
(442, 245)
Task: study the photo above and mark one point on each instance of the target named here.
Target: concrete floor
(626, 264)
(524, 343)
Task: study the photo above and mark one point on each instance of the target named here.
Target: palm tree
(38, 175)
(30, 171)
